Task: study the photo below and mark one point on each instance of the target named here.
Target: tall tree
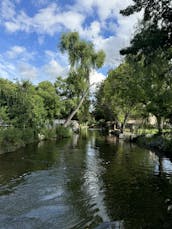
(82, 58)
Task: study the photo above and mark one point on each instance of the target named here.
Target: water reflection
(84, 181)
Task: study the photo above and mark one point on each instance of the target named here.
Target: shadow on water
(83, 182)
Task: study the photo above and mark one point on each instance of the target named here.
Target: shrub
(63, 132)
(49, 133)
(28, 135)
(12, 136)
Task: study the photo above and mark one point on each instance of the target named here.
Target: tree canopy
(155, 29)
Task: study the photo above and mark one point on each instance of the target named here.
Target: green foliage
(151, 49)
(49, 133)
(28, 135)
(118, 96)
(47, 91)
(82, 59)
(24, 105)
(136, 89)
(63, 132)
(155, 30)
(4, 114)
(11, 136)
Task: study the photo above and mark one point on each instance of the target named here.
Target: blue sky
(30, 31)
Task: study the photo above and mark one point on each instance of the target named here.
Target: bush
(49, 133)
(28, 135)
(63, 132)
(11, 136)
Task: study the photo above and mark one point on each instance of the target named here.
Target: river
(83, 182)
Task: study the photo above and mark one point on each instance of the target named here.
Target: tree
(156, 82)
(155, 30)
(47, 91)
(118, 97)
(82, 58)
(151, 47)
(26, 107)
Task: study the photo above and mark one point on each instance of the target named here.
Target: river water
(83, 182)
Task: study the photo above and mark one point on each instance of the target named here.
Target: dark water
(82, 182)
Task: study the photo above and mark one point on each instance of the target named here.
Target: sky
(30, 32)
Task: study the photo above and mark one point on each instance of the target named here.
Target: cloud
(28, 71)
(53, 69)
(47, 20)
(97, 21)
(19, 54)
(16, 51)
(105, 9)
(7, 9)
(7, 69)
(96, 77)
(14, 64)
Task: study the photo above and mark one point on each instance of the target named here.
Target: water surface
(84, 181)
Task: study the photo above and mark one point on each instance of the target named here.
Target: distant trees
(24, 105)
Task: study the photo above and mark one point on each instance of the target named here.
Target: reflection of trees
(163, 165)
(100, 180)
(133, 192)
(84, 187)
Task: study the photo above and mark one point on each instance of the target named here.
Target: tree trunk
(124, 123)
(69, 118)
(160, 124)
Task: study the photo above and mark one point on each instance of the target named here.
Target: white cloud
(91, 32)
(15, 51)
(14, 64)
(19, 54)
(62, 59)
(11, 26)
(105, 9)
(47, 20)
(96, 77)
(122, 27)
(7, 9)
(51, 19)
(53, 69)
(7, 69)
(27, 71)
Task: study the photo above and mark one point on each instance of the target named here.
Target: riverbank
(161, 143)
(158, 142)
(12, 139)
